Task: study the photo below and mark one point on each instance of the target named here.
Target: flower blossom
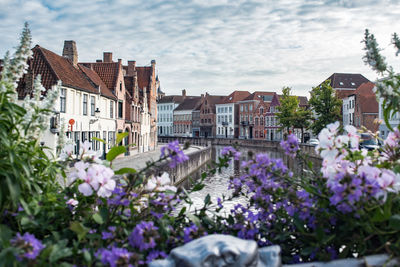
(174, 152)
(30, 246)
(144, 236)
(290, 145)
(160, 183)
(230, 151)
(95, 177)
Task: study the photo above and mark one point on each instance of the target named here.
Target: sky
(214, 46)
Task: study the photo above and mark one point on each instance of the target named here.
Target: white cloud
(217, 46)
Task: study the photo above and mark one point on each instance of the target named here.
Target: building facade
(183, 117)
(227, 113)
(208, 114)
(165, 107)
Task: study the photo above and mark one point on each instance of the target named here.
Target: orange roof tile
(94, 77)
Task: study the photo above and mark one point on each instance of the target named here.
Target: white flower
(72, 202)
(160, 183)
(67, 152)
(341, 140)
(353, 136)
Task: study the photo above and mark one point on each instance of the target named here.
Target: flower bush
(350, 208)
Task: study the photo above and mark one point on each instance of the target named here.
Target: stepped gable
(190, 103)
(61, 68)
(94, 77)
(236, 96)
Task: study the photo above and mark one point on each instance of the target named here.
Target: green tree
(287, 109)
(326, 106)
(302, 120)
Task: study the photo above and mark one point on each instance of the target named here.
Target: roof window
(230, 98)
(341, 83)
(353, 84)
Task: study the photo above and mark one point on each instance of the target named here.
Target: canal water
(217, 185)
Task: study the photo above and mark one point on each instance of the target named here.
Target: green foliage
(326, 106)
(24, 166)
(287, 109)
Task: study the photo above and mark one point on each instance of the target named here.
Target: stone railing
(226, 250)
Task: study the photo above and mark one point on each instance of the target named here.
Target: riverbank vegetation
(350, 208)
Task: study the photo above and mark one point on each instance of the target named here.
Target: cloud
(220, 45)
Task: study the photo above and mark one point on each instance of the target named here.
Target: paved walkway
(138, 161)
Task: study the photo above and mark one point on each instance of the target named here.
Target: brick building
(361, 108)
(208, 114)
(345, 84)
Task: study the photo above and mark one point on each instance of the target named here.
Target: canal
(217, 185)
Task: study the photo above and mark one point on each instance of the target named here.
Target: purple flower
(144, 236)
(290, 145)
(173, 151)
(106, 235)
(29, 245)
(230, 151)
(189, 233)
(115, 256)
(155, 254)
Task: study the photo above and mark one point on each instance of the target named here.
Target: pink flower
(72, 202)
(353, 136)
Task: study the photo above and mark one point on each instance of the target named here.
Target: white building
(183, 120)
(227, 115)
(166, 106)
(348, 110)
(144, 138)
(86, 107)
(394, 121)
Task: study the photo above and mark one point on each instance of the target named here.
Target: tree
(326, 106)
(287, 109)
(302, 120)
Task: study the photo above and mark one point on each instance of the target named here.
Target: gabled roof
(98, 82)
(265, 96)
(365, 89)
(171, 99)
(63, 70)
(215, 99)
(190, 103)
(347, 80)
(107, 71)
(144, 75)
(235, 97)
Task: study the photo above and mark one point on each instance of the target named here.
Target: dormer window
(353, 84)
(341, 83)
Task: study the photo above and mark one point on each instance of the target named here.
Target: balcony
(225, 123)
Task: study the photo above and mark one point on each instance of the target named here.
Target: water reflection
(217, 184)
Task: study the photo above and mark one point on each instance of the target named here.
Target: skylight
(341, 83)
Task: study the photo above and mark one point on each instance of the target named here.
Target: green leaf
(193, 218)
(299, 224)
(5, 234)
(58, 252)
(87, 256)
(198, 187)
(183, 210)
(121, 136)
(207, 200)
(114, 152)
(380, 215)
(100, 140)
(79, 229)
(125, 170)
(394, 222)
(98, 218)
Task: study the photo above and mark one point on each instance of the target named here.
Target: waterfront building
(345, 84)
(208, 114)
(165, 107)
(249, 108)
(183, 116)
(227, 112)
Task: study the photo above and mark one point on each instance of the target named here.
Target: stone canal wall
(197, 157)
(273, 145)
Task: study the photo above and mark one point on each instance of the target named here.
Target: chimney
(107, 57)
(184, 92)
(120, 61)
(71, 52)
(202, 95)
(131, 68)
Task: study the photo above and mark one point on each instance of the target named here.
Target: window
(226, 109)
(245, 108)
(111, 110)
(261, 121)
(120, 109)
(85, 100)
(256, 121)
(84, 136)
(92, 105)
(110, 139)
(251, 107)
(62, 100)
(251, 118)
(230, 109)
(241, 108)
(230, 118)
(261, 111)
